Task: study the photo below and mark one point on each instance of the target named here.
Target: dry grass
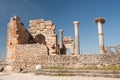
(110, 67)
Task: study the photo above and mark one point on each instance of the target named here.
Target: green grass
(62, 71)
(110, 67)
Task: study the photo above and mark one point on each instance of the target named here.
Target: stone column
(61, 39)
(100, 21)
(77, 45)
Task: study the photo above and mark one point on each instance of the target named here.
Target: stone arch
(68, 44)
(68, 51)
(40, 38)
(112, 49)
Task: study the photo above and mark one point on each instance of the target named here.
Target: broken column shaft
(100, 21)
(77, 45)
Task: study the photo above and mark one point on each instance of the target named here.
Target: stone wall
(16, 34)
(30, 53)
(113, 49)
(44, 32)
(31, 49)
(40, 31)
(39, 45)
(65, 61)
(69, 44)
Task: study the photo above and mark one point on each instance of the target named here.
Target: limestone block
(48, 23)
(53, 39)
(53, 27)
(68, 40)
(41, 28)
(32, 28)
(53, 35)
(38, 67)
(8, 68)
(42, 25)
(48, 27)
(33, 23)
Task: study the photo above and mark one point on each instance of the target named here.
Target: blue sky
(63, 13)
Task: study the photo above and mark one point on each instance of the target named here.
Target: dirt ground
(30, 76)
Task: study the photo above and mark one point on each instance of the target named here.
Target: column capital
(75, 22)
(61, 30)
(100, 19)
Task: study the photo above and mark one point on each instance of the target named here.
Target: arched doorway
(40, 38)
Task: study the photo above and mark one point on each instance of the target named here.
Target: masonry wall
(29, 59)
(16, 34)
(46, 29)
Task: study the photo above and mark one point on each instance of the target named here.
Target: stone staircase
(94, 73)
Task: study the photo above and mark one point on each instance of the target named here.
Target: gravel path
(30, 76)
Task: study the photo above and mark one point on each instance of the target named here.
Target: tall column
(77, 44)
(61, 39)
(100, 21)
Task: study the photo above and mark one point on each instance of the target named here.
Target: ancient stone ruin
(39, 45)
(40, 32)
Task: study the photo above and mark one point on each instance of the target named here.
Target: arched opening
(113, 50)
(40, 38)
(31, 39)
(68, 51)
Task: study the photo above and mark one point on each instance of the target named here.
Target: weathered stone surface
(29, 52)
(68, 40)
(112, 49)
(1, 69)
(47, 29)
(65, 61)
(31, 49)
(48, 23)
(33, 23)
(39, 46)
(69, 43)
(16, 34)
